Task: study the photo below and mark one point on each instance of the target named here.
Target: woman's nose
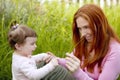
(83, 33)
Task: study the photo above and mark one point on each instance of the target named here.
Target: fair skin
(26, 49)
(84, 29)
(72, 62)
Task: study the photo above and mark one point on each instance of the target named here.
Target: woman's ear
(18, 46)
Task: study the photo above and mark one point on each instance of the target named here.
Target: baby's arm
(31, 71)
(42, 57)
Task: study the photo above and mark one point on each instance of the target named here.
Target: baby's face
(29, 46)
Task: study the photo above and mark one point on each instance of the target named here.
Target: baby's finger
(48, 59)
(50, 53)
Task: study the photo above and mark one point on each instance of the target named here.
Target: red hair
(102, 32)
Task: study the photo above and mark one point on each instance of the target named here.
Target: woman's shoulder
(114, 45)
(113, 51)
(114, 48)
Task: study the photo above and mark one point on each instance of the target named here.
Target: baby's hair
(18, 33)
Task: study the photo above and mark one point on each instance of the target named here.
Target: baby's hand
(50, 53)
(48, 58)
(54, 61)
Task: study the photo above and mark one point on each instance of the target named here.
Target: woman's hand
(72, 62)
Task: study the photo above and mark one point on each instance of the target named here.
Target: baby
(23, 40)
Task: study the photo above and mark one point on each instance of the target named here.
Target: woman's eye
(79, 29)
(86, 27)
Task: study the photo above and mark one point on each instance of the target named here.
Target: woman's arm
(111, 67)
(73, 65)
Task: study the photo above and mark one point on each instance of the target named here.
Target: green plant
(51, 21)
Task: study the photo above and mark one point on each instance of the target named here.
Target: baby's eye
(32, 43)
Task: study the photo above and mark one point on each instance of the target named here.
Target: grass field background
(51, 21)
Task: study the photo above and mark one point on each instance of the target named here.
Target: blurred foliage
(52, 22)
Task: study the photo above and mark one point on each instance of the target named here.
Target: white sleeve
(39, 57)
(30, 70)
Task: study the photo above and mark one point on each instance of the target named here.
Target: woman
(96, 55)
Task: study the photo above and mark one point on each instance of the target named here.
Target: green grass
(52, 23)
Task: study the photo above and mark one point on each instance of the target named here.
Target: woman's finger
(72, 62)
(68, 59)
(73, 57)
(70, 68)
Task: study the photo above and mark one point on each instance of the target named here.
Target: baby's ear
(18, 46)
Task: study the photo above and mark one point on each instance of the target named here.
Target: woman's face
(84, 29)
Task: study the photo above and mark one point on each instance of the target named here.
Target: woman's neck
(91, 52)
(89, 45)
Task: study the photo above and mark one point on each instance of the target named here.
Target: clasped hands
(72, 62)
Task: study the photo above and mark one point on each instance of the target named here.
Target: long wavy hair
(102, 32)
